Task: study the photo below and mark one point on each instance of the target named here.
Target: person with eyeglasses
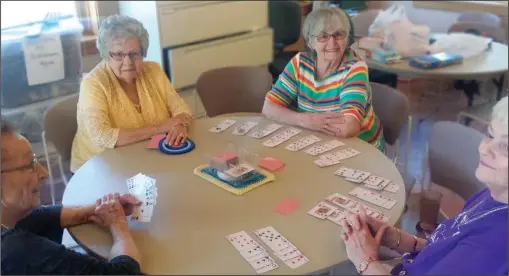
(124, 99)
(326, 88)
(32, 234)
(473, 242)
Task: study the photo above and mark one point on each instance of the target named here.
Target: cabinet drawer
(185, 64)
(182, 22)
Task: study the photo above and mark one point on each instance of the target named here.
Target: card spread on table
(322, 210)
(373, 198)
(281, 137)
(144, 189)
(244, 128)
(272, 164)
(252, 252)
(154, 141)
(352, 206)
(341, 154)
(283, 249)
(322, 163)
(303, 142)
(381, 184)
(266, 130)
(222, 126)
(287, 206)
(316, 150)
(337, 217)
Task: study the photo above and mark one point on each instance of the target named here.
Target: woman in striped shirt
(326, 89)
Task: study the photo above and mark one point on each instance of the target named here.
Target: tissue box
(435, 61)
(382, 56)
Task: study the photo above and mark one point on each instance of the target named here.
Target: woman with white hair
(125, 100)
(473, 242)
(32, 234)
(326, 89)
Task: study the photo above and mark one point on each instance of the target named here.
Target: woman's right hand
(389, 239)
(109, 212)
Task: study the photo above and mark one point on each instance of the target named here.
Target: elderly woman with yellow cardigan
(125, 100)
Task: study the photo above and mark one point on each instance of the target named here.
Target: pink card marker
(271, 164)
(287, 206)
(154, 141)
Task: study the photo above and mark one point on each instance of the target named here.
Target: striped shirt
(346, 91)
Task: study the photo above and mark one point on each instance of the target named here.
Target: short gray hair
(318, 19)
(121, 27)
(500, 111)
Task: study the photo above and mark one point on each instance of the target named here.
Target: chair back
(362, 21)
(481, 17)
(233, 89)
(497, 33)
(285, 20)
(60, 125)
(453, 157)
(392, 108)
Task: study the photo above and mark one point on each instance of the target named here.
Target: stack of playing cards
(352, 206)
(281, 137)
(316, 150)
(144, 189)
(303, 142)
(244, 128)
(282, 248)
(252, 252)
(357, 176)
(266, 130)
(373, 198)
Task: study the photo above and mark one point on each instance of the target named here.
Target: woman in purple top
(473, 242)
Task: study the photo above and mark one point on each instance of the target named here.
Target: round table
(192, 216)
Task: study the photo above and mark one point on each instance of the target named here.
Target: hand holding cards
(144, 189)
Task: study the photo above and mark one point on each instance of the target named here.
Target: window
(22, 12)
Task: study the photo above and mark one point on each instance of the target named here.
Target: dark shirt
(34, 246)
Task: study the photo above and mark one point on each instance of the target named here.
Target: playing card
(285, 251)
(244, 128)
(389, 203)
(341, 154)
(268, 129)
(391, 187)
(384, 218)
(272, 164)
(345, 172)
(154, 141)
(322, 210)
(297, 261)
(242, 241)
(289, 255)
(340, 200)
(222, 126)
(272, 238)
(303, 142)
(253, 252)
(265, 261)
(282, 137)
(373, 180)
(255, 257)
(322, 163)
(144, 189)
(321, 148)
(239, 170)
(359, 176)
(337, 217)
(267, 268)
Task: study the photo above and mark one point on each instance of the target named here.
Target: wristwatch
(364, 265)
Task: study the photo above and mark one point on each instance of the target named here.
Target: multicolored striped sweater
(347, 91)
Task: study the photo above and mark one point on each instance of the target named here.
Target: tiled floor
(430, 101)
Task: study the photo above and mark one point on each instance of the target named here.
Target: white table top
(488, 64)
(192, 216)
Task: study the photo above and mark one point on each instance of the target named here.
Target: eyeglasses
(32, 165)
(324, 37)
(119, 56)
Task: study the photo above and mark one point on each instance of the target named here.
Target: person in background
(125, 100)
(473, 242)
(326, 89)
(32, 235)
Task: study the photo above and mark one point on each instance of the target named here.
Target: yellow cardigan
(104, 108)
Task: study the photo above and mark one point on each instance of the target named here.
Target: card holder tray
(255, 180)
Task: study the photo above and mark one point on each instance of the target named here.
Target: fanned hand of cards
(145, 190)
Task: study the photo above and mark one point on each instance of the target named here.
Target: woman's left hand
(177, 135)
(360, 244)
(343, 126)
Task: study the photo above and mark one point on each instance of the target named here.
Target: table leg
(499, 84)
